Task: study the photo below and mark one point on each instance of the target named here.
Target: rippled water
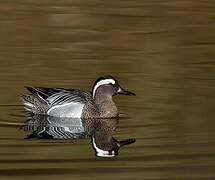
(163, 51)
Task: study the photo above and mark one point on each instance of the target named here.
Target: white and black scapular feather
(56, 101)
(60, 102)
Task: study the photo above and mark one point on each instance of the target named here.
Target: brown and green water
(164, 51)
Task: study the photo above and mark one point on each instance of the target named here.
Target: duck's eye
(115, 85)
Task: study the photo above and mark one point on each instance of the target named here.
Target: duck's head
(107, 146)
(109, 85)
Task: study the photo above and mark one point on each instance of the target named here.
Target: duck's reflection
(99, 130)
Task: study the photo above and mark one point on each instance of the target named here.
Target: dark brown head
(108, 85)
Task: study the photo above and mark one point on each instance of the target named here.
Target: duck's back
(59, 102)
(74, 103)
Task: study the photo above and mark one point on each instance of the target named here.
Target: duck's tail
(34, 104)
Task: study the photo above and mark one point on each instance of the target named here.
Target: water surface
(163, 51)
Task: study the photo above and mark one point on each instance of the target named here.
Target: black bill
(125, 92)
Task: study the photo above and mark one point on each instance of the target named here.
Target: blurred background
(161, 50)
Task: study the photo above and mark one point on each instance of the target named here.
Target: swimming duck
(74, 103)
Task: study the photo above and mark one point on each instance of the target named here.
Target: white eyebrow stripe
(102, 82)
(102, 153)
